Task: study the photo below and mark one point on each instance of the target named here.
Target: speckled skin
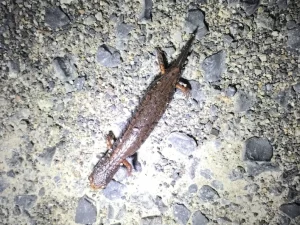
(147, 115)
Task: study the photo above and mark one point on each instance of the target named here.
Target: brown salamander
(147, 115)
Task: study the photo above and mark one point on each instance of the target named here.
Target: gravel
(72, 72)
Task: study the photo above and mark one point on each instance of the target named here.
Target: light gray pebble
(206, 173)
(79, 83)
(214, 66)
(250, 6)
(296, 88)
(114, 190)
(47, 155)
(199, 218)
(244, 101)
(208, 194)
(217, 184)
(151, 220)
(181, 213)
(64, 69)
(283, 98)
(291, 209)
(55, 17)
(237, 173)
(293, 41)
(256, 168)
(195, 19)
(146, 13)
(182, 143)
(251, 188)
(25, 201)
(86, 212)
(193, 188)
(227, 38)
(13, 69)
(230, 91)
(258, 149)
(108, 56)
(160, 204)
(264, 20)
(123, 30)
(196, 91)
(3, 184)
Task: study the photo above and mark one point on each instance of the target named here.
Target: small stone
(146, 10)
(283, 97)
(214, 66)
(206, 173)
(256, 168)
(282, 4)
(121, 212)
(208, 194)
(250, 6)
(195, 20)
(47, 155)
(42, 192)
(244, 101)
(224, 221)
(123, 30)
(181, 213)
(90, 20)
(3, 184)
(230, 91)
(264, 20)
(182, 143)
(13, 69)
(25, 201)
(160, 204)
(193, 188)
(199, 218)
(99, 16)
(258, 149)
(64, 69)
(237, 173)
(217, 184)
(114, 190)
(291, 209)
(283, 220)
(296, 88)
(251, 188)
(293, 41)
(86, 212)
(56, 18)
(151, 220)
(79, 82)
(227, 38)
(108, 56)
(196, 91)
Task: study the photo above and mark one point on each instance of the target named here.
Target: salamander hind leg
(128, 166)
(161, 61)
(186, 90)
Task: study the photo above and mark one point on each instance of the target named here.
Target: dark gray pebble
(114, 190)
(86, 212)
(214, 66)
(108, 56)
(55, 17)
(258, 149)
(199, 218)
(208, 194)
(181, 213)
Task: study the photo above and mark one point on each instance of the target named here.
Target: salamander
(148, 113)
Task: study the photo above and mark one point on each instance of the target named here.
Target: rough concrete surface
(73, 70)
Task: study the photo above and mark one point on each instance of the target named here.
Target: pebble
(196, 91)
(193, 188)
(256, 168)
(237, 173)
(208, 194)
(114, 190)
(181, 213)
(86, 211)
(55, 17)
(160, 204)
(293, 41)
(195, 19)
(64, 69)
(244, 101)
(146, 13)
(182, 143)
(217, 184)
(3, 184)
(250, 6)
(258, 149)
(206, 173)
(25, 201)
(47, 155)
(230, 91)
(296, 88)
(199, 218)
(214, 66)
(123, 30)
(151, 220)
(108, 56)
(291, 209)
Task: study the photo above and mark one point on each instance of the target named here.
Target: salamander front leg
(186, 90)
(110, 138)
(128, 166)
(161, 61)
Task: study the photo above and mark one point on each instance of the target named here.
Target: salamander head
(95, 183)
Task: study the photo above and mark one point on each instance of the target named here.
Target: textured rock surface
(71, 71)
